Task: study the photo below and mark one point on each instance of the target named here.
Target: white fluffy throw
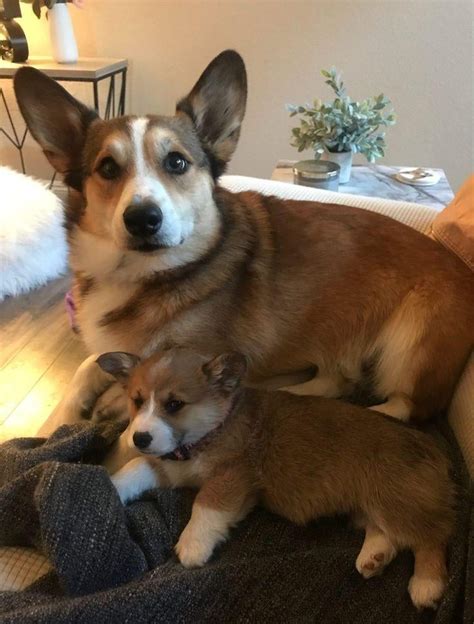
(32, 238)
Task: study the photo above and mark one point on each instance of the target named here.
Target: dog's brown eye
(176, 163)
(138, 401)
(173, 405)
(108, 169)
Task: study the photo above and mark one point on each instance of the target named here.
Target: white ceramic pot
(344, 160)
(61, 33)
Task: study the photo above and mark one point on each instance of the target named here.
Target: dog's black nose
(142, 439)
(143, 219)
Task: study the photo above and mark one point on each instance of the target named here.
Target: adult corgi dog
(301, 457)
(162, 255)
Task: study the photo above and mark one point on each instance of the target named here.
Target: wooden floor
(38, 355)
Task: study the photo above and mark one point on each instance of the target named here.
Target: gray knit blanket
(114, 564)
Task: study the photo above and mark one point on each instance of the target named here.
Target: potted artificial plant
(337, 130)
(61, 31)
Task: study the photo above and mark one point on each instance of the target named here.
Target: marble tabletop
(379, 181)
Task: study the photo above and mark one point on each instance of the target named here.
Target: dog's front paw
(111, 405)
(123, 490)
(193, 551)
(136, 477)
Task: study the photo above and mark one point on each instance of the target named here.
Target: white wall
(418, 52)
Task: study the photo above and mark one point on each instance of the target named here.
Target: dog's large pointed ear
(56, 120)
(118, 364)
(225, 372)
(216, 106)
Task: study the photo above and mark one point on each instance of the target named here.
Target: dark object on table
(270, 571)
(13, 44)
(317, 173)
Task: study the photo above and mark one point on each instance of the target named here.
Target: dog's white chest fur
(103, 298)
(100, 261)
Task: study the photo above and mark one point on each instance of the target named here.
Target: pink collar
(185, 451)
(71, 311)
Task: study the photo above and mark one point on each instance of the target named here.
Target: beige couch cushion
(415, 215)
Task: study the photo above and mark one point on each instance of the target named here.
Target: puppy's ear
(118, 364)
(56, 120)
(216, 106)
(226, 371)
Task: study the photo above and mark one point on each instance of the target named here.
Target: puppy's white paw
(426, 592)
(136, 477)
(207, 528)
(193, 551)
(123, 489)
(372, 562)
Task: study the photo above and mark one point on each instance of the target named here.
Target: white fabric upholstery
(415, 215)
(33, 246)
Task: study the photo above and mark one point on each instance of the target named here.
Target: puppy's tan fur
(366, 303)
(301, 457)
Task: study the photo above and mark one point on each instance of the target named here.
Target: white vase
(344, 160)
(61, 33)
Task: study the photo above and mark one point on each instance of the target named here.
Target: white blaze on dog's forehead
(145, 416)
(144, 184)
(147, 421)
(138, 130)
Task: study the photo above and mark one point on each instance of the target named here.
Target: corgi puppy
(301, 457)
(161, 254)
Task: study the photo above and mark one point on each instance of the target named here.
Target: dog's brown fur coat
(302, 458)
(287, 285)
(359, 298)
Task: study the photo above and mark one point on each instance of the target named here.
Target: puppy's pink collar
(71, 310)
(185, 451)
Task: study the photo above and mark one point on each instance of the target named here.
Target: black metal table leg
(123, 88)
(15, 139)
(110, 105)
(96, 95)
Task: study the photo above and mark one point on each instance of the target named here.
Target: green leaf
(343, 124)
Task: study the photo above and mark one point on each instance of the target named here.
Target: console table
(90, 70)
(379, 181)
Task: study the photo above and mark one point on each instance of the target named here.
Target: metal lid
(316, 169)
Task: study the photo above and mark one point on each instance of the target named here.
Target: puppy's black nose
(143, 219)
(142, 439)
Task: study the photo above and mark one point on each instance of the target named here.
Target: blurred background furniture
(379, 181)
(88, 70)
